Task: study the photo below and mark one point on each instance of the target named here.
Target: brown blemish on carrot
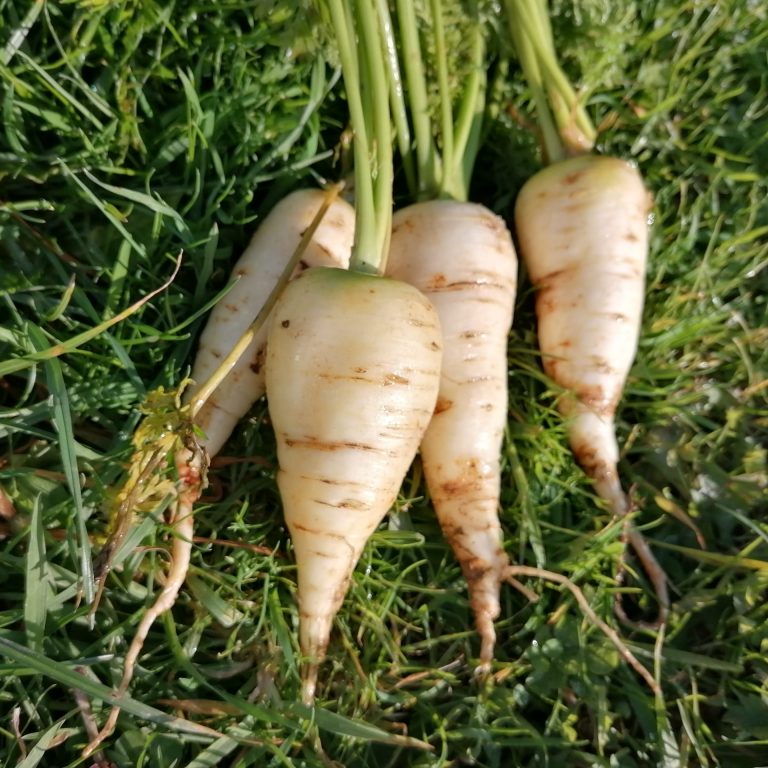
(601, 364)
(393, 378)
(591, 462)
(572, 178)
(285, 323)
(258, 360)
(330, 445)
(442, 405)
(546, 282)
(435, 283)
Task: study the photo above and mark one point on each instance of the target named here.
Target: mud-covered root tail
(484, 580)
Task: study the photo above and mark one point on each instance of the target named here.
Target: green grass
(132, 131)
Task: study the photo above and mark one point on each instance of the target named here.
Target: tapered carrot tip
(593, 441)
(592, 436)
(484, 583)
(314, 633)
(309, 683)
(484, 624)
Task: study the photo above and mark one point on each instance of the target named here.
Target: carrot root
(609, 632)
(190, 466)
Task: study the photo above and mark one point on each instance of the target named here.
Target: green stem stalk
(397, 96)
(443, 165)
(458, 167)
(365, 232)
(550, 136)
(446, 102)
(557, 104)
(373, 51)
(426, 154)
(363, 67)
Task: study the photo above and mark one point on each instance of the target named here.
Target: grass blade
(63, 674)
(62, 419)
(716, 558)
(48, 353)
(19, 35)
(37, 753)
(356, 729)
(212, 756)
(36, 582)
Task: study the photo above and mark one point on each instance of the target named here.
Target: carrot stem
(444, 157)
(362, 52)
(397, 96)
(553, 145)
(427, 160)
(443, 88)
(566, 128)
(469, 120)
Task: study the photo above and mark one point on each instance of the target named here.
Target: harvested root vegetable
(258, 270)
(460, 255)
(353, 366)
(582, 228)
(582, 225)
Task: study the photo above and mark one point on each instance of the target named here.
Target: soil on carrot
(136, 131)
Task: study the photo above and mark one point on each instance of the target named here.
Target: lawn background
(135, 130)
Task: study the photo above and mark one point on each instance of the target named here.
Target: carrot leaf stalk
(566, 128)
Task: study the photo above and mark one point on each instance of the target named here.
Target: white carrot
(258, 270)
(461, 256)
(582, 225)
(353, 366)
